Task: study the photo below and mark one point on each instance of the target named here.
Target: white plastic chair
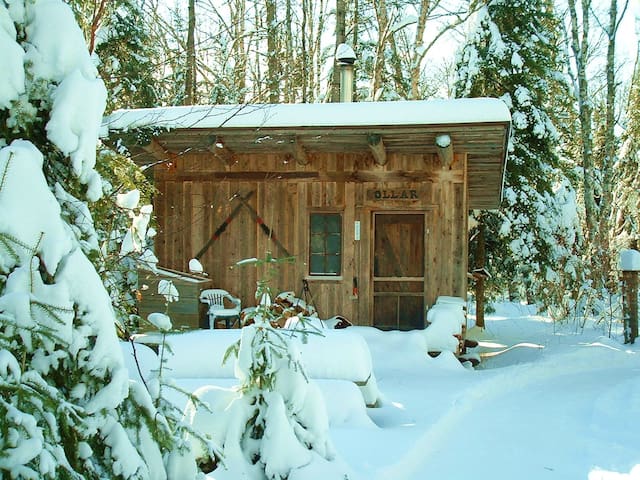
(218, 311)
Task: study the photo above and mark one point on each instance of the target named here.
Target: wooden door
(398, 270)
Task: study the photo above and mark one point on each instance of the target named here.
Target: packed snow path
(566, 405)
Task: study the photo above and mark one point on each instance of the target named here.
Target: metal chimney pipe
(346, 57)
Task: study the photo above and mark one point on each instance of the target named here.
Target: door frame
(425, 212)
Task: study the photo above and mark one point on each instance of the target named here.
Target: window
(325, 244)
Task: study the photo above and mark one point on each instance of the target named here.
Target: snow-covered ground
(562, 403)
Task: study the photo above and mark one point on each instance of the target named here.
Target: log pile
(287, 311)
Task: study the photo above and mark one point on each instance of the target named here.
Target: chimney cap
(345, 54)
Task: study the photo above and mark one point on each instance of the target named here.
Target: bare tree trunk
(418, 47)
(396, 64)
(99, 7)
(190, 74)
(304, 55)
(383, 30)
(356, 21)
(238, 12)
(580, 47)
(341, 15)
(256, 47)
(289, 77)
(273, 73)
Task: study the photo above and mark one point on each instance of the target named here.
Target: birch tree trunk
(610, 147)
(311, 31)
(318, 59)
(580, 47)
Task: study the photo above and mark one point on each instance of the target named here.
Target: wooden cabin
(371, 199)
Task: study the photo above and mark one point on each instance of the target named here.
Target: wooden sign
(393, 194)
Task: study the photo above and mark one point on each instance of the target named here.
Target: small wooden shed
(187, 313)
(372, 199)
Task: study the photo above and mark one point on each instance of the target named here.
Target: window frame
(325, 274)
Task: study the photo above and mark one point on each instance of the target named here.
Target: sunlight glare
(491, 344)
(598, 344)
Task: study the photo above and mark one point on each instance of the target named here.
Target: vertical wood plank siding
(191, 205)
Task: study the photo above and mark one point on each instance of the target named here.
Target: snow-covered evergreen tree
(512, 53)
(278, 427)
(68, 408)
(127, 57)
(120, 36)
(626, 208)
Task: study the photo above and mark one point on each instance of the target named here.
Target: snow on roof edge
(356, 114)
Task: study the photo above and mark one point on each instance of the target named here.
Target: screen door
(398, 271)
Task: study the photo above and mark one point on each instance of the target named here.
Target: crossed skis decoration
(263, 226)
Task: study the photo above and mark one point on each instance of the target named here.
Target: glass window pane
(333, 265)
(333, 244)
(317, 223)
(317, 244)
(317, 264)
(333, 223)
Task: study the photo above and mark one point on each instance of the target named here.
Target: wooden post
(480, 260)
(376, 145)
(630, 305)
(630, 265)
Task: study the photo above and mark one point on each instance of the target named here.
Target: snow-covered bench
(338, 361)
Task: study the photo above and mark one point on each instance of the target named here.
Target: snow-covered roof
(477, 127)
(358, 114)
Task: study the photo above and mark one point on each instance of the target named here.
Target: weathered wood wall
(196, 197)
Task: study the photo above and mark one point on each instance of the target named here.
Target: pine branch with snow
(122, 219)
(71, 411)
